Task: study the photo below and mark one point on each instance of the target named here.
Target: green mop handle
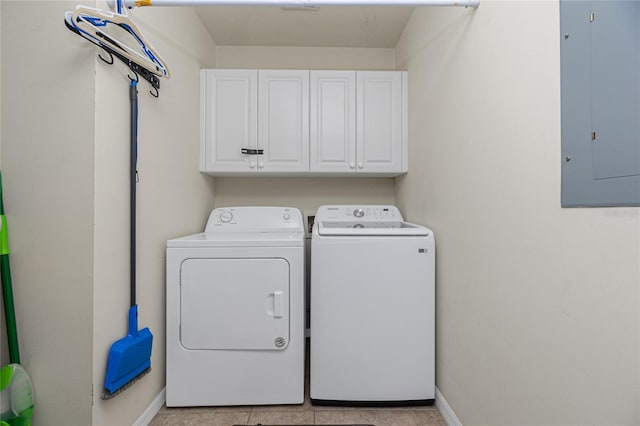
(7, 292)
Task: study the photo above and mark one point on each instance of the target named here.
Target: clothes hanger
(137, 69)
(70, 26)
(116, 30)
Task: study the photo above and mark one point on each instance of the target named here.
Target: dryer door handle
(278, 304)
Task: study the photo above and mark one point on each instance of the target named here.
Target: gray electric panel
(600, 78)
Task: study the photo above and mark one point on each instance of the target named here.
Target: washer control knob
(286, 216)
(226, 216)
(358, 212)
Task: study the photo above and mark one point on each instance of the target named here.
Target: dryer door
(234, 304)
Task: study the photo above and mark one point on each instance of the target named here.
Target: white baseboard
(153, 408)
(445, 409)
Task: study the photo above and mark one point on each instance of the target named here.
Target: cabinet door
(333, 121)
(380, 122)
(229, 120)
(283, 121)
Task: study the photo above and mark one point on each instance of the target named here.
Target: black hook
(147, 75)
(97, 43)
(133, 79)
(110, 61)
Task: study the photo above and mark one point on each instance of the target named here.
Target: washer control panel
(361, 213)
(255, 219)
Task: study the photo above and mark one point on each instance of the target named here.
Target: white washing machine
(372, 308)
(235, 310)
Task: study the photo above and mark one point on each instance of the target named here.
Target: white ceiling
(329, 26)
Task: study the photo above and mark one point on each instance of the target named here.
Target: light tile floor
(305, 414)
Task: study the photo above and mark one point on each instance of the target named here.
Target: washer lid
(367, 228)
(240, 239)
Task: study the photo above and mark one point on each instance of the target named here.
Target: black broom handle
(133, 156)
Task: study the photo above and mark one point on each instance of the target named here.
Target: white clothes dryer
(372, 308)
(235, 310)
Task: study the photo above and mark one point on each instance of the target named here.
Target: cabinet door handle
(251, 151)
(352, 165)
(360, 165)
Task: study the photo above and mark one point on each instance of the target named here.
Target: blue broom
(130, 357)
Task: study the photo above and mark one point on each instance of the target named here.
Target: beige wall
(65, 139)
(174, 199)
(47, 167)
(537, 306)
(307, 194)
(305, 58)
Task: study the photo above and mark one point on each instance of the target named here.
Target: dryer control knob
(358, 212)
(286, 216)
(226, 216)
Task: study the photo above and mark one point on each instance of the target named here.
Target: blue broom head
(130, 356)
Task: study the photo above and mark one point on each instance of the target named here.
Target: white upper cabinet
(283, 121)
(299, 122)
(381, 133)
(254, 121)
(228, 120)
(358, 122)
(333, 122)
